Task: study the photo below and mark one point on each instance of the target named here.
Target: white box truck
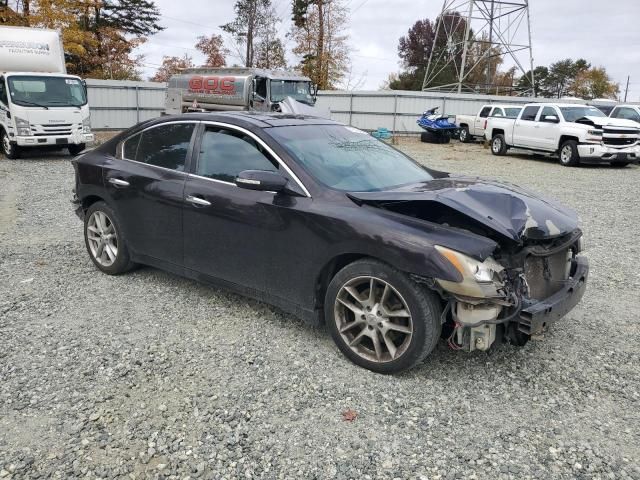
(40, 105)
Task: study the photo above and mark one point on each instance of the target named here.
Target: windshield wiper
(27, 102)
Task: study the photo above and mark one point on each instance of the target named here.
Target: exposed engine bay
(533, 277)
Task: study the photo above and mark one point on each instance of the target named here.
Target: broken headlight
(479, 279)
(23, 127)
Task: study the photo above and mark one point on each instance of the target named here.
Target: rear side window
(484, 113)
(497, 112)
(165, 146)
(225, 153)
(530, 113)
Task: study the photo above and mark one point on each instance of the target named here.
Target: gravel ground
(149, 375)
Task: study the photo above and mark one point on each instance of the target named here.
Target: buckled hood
(511, 211)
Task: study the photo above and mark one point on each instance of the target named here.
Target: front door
(146, 186)
(525, 128)
(226, 228)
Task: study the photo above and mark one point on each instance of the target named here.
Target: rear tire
(105, 240)
(498, 145)
(465, 136)
(407, 326)
(76, 149)
(10, 149)
(569, 156)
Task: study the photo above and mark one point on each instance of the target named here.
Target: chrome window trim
(264, 145)
(121, 145)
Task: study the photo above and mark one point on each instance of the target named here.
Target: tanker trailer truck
(226, 89)
(40, 105)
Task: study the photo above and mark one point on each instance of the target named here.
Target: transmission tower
(471, 37)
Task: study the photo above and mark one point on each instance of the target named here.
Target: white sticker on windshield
(71, 81)
(356, 130)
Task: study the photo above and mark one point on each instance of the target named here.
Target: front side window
(571, 114)
(547, 112)
(164, 146)
(224, 153)
(39, 91)
(348, 159)
(3, 92)
(530, 113)
(484, 113)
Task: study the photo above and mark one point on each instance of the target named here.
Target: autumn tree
(248, 22)
(171, 66)
(594, 83)
(320, 35)
(213, 49)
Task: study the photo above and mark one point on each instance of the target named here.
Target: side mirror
(262, 180)
(551, 119)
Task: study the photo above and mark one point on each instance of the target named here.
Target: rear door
(525, 127)
(146, 186)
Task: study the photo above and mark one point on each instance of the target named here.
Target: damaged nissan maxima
(335, 227)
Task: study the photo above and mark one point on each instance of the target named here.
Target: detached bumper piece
(537, 314)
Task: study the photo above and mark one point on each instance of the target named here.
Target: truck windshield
(30, 91)
(345, 158)
(300, 91)
(571, 114)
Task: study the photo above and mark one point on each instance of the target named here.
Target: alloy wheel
(103, 238)
(496, 145)
(463, 135)
(373, 319)
(6, 144)
(566, 154)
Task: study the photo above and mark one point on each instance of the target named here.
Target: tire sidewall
(494, 140)
(122, 262)
(464, 134)
(13, 153)
(426, 328)
(574, 153)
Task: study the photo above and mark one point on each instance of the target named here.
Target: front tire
(10, 150)
(379, 318)
(105, 240)
(498, 145)
(569, 156)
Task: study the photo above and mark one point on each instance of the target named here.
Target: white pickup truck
(577, 133)
(472, 126)
(627, 112)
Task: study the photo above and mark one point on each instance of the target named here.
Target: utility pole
(626, 90)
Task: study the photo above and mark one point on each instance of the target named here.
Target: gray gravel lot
(149, 375)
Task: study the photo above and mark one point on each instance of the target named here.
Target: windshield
(37, 91)
(300, 91)
(512, 112)
(571, 114)
(348, 159)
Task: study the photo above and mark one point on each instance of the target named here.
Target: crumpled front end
(515, 294)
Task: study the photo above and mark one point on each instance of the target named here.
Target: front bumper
(50, 140)
(597, 152)
(537, 314)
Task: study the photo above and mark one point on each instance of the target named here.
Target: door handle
(197, 201)
(118, 182)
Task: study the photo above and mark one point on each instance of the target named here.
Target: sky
(606, 33)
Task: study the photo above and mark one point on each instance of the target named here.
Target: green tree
(595, 83)
(248, 22)
(562, 74)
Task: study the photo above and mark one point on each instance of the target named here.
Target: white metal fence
(120, 104)
(116, 105)
(398, 110)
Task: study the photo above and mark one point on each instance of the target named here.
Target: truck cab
(42, 109)
(228, 89)
(473, 126)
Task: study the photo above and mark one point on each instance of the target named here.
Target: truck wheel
(569, 156)
(465, 136)
(380, 318)
(428, 137)
(445, 139)
(10, 150)
(76, 149)
(498, 145)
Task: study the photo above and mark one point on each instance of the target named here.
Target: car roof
(258, 119)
